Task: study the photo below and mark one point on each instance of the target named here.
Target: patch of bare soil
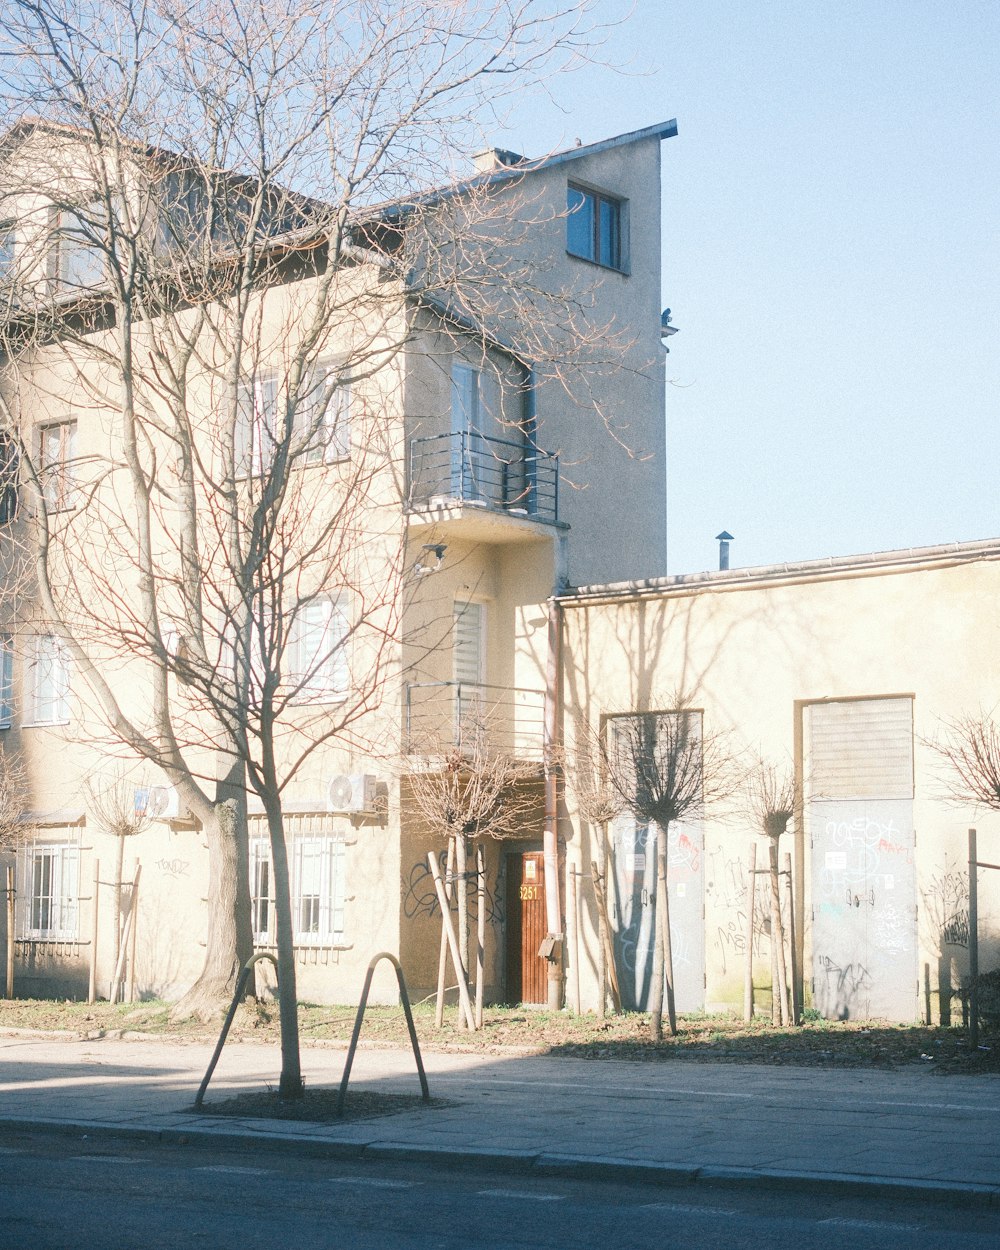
(702, 1038)
(318, 1106)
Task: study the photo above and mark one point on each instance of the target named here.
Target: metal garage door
(859, 778)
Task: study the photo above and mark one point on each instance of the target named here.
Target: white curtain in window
(50, 681)
(318, 891)
(50, 891)
(317, 666)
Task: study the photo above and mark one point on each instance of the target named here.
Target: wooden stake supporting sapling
(469, 790)
(769, 806)
(666, 767)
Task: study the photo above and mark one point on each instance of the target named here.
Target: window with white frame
(323, 416)
(8, 255)
(317, 866)
(6, 681)
(57, 464)
(261, 903)
(318, 890)
(10, 466)
(321, 423)
(48, 681)
(49, 891)
(316, 657)
(81, 254)
(256, 425)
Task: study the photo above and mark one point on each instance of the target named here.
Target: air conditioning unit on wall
(352, 794)
(158, 802)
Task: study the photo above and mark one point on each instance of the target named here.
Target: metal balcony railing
(494, 473)
(445, 714)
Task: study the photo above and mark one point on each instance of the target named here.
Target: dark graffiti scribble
(420, 895)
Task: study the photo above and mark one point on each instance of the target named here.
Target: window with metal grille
(317, 864)
(50, 891)
(318, 890)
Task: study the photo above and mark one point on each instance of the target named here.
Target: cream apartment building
(444, 488)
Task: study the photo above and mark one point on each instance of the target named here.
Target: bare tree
(598, 801)
(968, 747)
(472, 790)
(118, 800)
(221, 235)
(666, 768)
(14, 794)
(769, 807)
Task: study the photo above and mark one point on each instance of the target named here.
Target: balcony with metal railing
(445, 715)
(464, 474)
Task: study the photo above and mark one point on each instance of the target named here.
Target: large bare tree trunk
(229, 939)
(290, 1081)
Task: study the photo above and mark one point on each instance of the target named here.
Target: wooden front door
(526, 969)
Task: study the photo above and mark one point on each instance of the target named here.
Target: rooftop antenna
(724, 539)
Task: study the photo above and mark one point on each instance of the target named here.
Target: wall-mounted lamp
(430, 551)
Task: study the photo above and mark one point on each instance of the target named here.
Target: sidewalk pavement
(905, 1133)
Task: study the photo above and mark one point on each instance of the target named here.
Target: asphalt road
(71, 1193)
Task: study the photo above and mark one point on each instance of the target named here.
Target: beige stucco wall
(509, 563)
(750, 652)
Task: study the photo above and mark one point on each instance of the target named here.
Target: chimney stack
(724, 539)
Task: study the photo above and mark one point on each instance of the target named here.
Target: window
(594, 227)
(256, 425)
(8, 242)
(56, 460)
(317, 864)
(80, 252)
(48, 681)
(467, 654)
(183, 213)
(316, 659)
(469, 452)
(318, 890)
(323, 417)
(321, 423)
(260, 891)
(10, 461)
(6, 681)
(467, 666)
(50, 891)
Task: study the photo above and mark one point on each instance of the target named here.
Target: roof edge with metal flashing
(864, 565)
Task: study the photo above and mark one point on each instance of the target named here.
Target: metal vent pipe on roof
(724, 539)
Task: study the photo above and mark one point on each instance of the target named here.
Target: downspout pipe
(550, 837)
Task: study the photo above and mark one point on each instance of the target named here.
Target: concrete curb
(524, 1163)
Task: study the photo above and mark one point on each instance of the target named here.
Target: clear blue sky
(832, 259)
